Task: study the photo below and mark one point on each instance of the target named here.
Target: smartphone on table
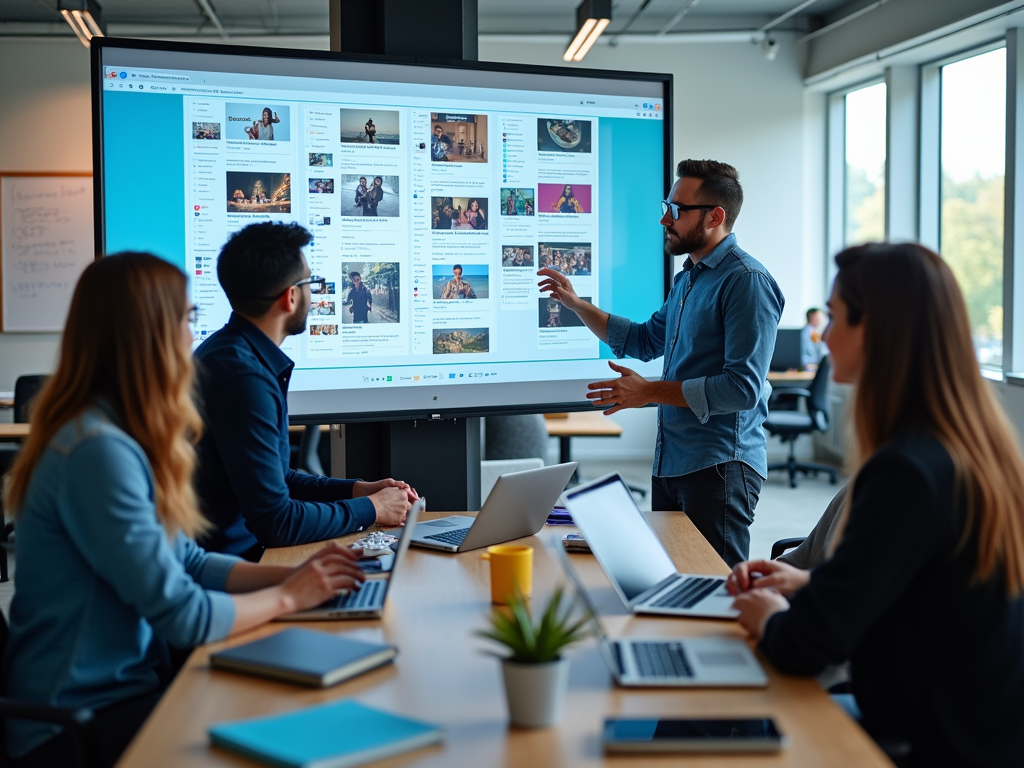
(692, 735)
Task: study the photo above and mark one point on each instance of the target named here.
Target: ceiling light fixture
(592, 16)
(85, 17)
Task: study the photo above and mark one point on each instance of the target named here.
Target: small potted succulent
(535, 672)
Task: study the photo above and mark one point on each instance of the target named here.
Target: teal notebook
(332, 735)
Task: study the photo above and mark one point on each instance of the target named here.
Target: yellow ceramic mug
(511, 565)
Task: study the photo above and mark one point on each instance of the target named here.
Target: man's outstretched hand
(631, 390)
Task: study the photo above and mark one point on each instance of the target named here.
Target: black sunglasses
(676, 208)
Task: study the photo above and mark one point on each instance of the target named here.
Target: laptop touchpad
(441, 523)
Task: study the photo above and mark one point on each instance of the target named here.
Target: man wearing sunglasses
(243, 481)
(716, 332)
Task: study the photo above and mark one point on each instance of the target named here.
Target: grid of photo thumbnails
(540, 215)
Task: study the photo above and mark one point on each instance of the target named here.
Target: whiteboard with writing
(46, 240)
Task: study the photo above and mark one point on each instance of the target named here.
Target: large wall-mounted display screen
(434, 194)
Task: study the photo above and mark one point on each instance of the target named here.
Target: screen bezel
(442, 410)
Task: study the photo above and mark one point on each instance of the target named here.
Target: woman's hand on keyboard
(325, 574)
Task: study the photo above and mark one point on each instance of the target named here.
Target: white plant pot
(535, 692)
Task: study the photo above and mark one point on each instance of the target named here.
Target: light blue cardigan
(99, 587)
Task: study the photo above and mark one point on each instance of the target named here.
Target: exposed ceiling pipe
(678, 17)
(788, 14)
(614, 38)
(212, 16)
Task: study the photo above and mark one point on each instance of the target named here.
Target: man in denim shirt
(716, 332)
(243, 480)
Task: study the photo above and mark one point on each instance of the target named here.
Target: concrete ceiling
(177, 18)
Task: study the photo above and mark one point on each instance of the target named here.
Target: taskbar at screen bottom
(437, 400)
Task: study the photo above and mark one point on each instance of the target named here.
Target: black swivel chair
(25, 390)
(789, 425)
(79, 722)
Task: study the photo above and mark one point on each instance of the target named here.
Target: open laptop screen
(619, 535)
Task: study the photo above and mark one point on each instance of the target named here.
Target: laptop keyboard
(661, 660)
(449, 537)
(370, 595)
(688, 593)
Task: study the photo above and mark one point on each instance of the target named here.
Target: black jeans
(720, 501)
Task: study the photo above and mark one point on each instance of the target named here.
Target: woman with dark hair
(109, 578)
(567, 203)
(473, 216)
(373, 197)
(263, 129)
(923, 589)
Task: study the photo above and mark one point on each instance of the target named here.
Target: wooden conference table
(443, 675)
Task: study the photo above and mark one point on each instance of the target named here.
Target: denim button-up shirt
(717, 333)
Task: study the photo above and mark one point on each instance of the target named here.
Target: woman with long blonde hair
(109, 579)
(923, 590)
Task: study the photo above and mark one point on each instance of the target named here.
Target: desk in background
(10, 432)
(566, 426)
(442, 675)
(790, 377)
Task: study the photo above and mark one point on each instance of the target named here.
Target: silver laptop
(367, 602)
(634, 559)
(684, 662)
(517, 506)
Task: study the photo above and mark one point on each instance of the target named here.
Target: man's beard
(692, 241)
(297, 322)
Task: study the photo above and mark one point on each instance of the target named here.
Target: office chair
(78, 722)
(25, 390)
(789, 425)
(308, 457)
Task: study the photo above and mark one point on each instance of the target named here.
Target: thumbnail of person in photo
(554, 310)
(440, 145)
(323, 330)
(472, 217)
(206, 131)
(321, 159)
(567, 202)
(322, 186)
(568, 258)
(457, 288)
(361, 191)
(443, 213)
(360, 300)
(373, 196)
(517, 256)
(371, 131)
(263, 130)
(563, 135)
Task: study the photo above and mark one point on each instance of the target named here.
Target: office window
(864, 184)
(973, 165)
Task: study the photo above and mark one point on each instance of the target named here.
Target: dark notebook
(305, 656)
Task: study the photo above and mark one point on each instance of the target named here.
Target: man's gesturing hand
(559, 287)
(629, 391)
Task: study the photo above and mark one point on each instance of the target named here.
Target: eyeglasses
(676, 208)
(316, 283)
(192, 315)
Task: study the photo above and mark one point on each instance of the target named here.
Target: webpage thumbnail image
(517, 255)
(369, 195)
(563, 135)
(321, 160)
(517, 201)
(257, 192)
(206, 131)
(461, 341)
(458, 213)
(564, 198)
(458, 137)
(568, 258)
(551, 314)
(369, 126)
(249, 121)
(452, 282)
(371, 292)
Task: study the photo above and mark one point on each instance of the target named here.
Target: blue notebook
(305, 656)
(333, 735)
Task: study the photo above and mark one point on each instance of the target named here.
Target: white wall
(731, 105)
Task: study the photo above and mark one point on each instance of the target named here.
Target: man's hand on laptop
(362, 488)
(391, 504)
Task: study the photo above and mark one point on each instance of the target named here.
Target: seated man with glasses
(716, 332)
(245, 486)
